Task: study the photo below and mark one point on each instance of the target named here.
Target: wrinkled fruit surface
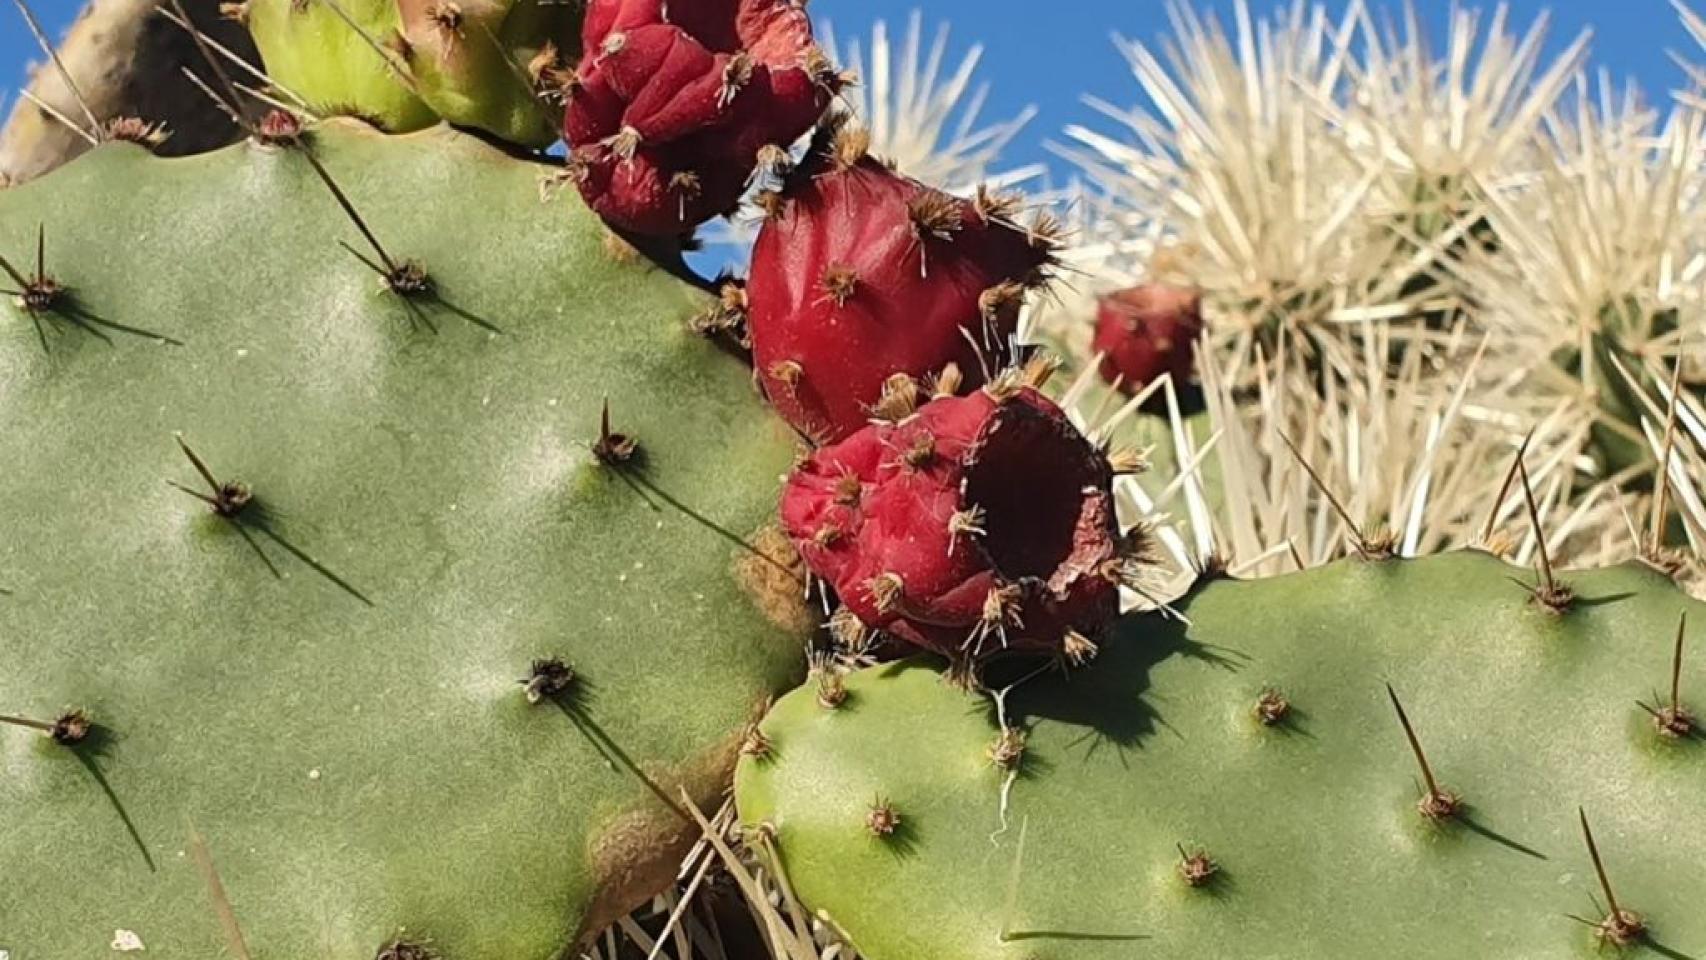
(675, 101)
(364, 773)
(975, 527)
(1146, 332)
(861, 274)
(1258, 733)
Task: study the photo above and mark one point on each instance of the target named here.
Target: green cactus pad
(364, 767)
(467, 62)
(1313, 822)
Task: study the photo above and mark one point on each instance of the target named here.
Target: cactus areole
(977, 526)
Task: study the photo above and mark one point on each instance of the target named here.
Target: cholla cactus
(1598, 268)
(1444, 131)
(1310, 174)
(1379, 461)
(1465, 117)
(1680, 444)
(1413, 195)
(1232, 182)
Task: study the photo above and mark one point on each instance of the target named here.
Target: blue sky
(1049, 54)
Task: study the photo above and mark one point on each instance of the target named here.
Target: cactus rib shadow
(902, 842)
(573, 703)
(1606, 600)
(257, 515)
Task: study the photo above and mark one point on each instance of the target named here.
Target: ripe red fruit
(977, 526)
(1147, 331)
(860, 274)
(673, 103)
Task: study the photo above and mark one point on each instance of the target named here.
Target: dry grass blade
(787, 942)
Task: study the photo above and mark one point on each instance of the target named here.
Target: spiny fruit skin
(363, 772)
(674, 102)
(979, 525)
(863, 274)
(1145, 332)
(1315, 823)
(492, 65)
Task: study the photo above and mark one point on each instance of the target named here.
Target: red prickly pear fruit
(861, 274)
(1147, 331)
(674, 102)
(977, 526)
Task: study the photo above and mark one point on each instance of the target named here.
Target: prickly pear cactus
(405, 64)
(306, 639)
(1237, 783)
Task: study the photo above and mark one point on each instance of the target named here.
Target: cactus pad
(321, 667)
(1241, 786)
